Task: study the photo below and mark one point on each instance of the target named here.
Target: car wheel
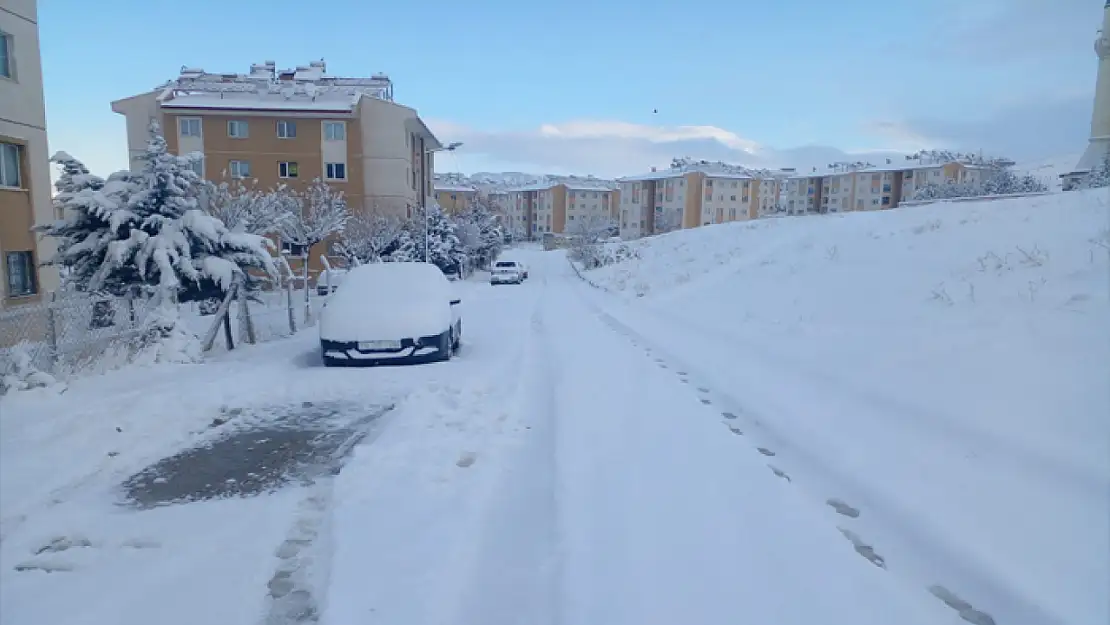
(458, 338)
(446, 349)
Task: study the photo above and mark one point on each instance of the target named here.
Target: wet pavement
(257, 450)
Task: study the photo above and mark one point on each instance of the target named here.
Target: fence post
(289, 305)
(52, 330)
(246, 324)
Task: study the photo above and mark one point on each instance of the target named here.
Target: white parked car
(329, 277)
(391, 313)
(507, 272)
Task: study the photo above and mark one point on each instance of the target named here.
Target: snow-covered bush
(589, 245)
(1098, 177)
(18, 371)
(999, 179)
(245, 209)
(368, 237)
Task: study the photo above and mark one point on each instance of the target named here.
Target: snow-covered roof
(454, 188)
(717, 169)
(305, 88)
(844, 169)
(573, 183)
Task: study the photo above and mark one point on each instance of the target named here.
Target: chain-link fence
(72, 333)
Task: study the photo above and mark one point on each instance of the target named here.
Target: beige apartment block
(847, 188)
(454, 198)
(24, 161)
(273, 127)
(557, 204)
(697, 194)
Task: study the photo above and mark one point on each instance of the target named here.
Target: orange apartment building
(454, 197)
(288, 127)
(697, 195)
(556, 204)
(24, 162)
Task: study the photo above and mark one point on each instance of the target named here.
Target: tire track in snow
(516, 581)
(945, 561)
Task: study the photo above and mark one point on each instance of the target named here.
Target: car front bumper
(498, 278)
(413, 351)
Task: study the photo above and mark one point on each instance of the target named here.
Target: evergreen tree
(488, 238)
(445, 250)
(169, 247)
(1098, 177)
(91, 218)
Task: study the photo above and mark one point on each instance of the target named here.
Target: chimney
(653, 170)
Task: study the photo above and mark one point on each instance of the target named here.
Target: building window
(335, 171)
(21, 274)
(240, 169)
(335, 131)
(287, 169)
(286, 130)
(197, 165)
(189, 126)
(6, 64)
(237, 129)
(9, 165)
(732, 197)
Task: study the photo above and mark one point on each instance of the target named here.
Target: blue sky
(572, 86)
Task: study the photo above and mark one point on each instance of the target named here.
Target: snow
(953, 361)
(268, 102)
(388, 301)
(782, 421)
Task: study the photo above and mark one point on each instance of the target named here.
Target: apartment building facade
(872, 187)
(274, 127)
(688, 197)
(556, 206)
(454, 198)
(24, 161)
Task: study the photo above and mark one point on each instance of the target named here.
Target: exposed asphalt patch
(266, 449)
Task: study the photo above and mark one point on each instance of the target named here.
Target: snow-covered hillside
(946, 364)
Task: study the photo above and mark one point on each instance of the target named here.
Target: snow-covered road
(586, 482)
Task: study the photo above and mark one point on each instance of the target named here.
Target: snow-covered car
(391, 313)
(329, 278)
(507, 272)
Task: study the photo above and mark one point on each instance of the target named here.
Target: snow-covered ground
(596, 457)
(944, 369)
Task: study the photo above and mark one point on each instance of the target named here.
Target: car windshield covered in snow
(506, 264)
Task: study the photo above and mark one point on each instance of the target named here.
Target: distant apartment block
(275, 127)
(24, 162)
(453, 196)
(695, 195)
(849, 187)
(558, 204)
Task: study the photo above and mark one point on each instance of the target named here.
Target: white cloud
(616, 148)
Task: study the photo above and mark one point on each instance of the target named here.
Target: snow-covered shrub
(367, 237)
(433, 229)
(590, 247)
(999, 180)
(1098, 177)
(245, 209)
(18, 371)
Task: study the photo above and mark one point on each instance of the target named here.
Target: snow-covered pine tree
(484, 236)
(445, 250)
(91, 218)
(176, 251)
